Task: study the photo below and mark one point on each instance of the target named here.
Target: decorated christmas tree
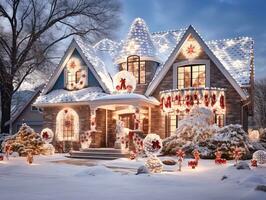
(27, 140)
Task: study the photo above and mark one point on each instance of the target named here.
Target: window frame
(82, 67)
(138, 61)
(205, 62)
(191, 73)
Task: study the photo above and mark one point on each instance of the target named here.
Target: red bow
(156, 144)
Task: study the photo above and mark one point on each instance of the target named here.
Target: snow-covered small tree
(27, 140)
(196, 127)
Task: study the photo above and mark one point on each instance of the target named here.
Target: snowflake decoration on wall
(191, 49)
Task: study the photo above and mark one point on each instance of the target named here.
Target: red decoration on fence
(213, 99)
(206, 100)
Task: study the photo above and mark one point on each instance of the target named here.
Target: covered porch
(110, 113)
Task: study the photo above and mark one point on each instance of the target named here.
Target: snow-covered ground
(54, 177)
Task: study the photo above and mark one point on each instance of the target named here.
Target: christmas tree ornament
(259, 156)
(180, 157)
(1, 157)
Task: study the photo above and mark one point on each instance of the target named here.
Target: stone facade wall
(233, 100)
(50, 114)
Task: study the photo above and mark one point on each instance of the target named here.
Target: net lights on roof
(138, 42)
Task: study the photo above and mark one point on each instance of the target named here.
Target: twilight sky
(213, 19)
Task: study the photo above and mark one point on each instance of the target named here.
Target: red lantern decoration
(206, 100)
(213, 99)
(161, 102)
(222, 103)
(188, 100)
(168, 102)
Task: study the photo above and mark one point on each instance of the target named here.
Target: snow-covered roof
(234, 54)
(138, 42)
(90, 94)
(98, 64)
(65, 96)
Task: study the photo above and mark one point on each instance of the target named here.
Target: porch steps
(98, 153)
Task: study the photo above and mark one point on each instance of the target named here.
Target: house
(22, 110)
(149, 81)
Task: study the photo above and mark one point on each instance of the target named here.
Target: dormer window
(137, 67)
(76, 75)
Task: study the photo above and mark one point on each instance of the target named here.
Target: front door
(128, 120)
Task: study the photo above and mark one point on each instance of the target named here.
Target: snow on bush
(197, 131)
(228, 138)
(196, 127)
(26, 140)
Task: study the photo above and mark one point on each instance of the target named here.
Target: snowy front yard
(56, 177)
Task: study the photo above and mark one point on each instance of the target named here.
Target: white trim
(191, 31)
(73, 45)
(205, 62)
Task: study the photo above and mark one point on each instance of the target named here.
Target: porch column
(93, 119)
(137, 120)
(149, 130)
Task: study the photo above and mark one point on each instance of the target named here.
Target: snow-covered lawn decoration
(26, 140)
(259, 156)
(197, 131)
(152, 146)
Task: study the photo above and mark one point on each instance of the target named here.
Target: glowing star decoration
(47, 135)
(67, 125)
(191, 49)
(124, 82)
(73, 64)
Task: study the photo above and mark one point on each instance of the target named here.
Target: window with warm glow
(173, 122)
(137, 67)
(67, 125)
(191, 76)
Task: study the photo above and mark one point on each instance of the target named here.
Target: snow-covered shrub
(197, 131)
(26, 140)
(196, 127)
(228, 138)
